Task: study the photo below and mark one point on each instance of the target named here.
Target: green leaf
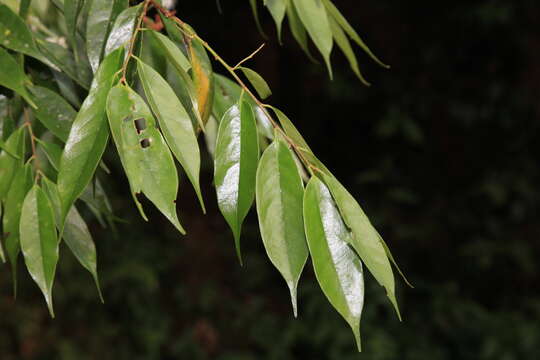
(123, 29)
(340, 19)
(297, 28)
(72, 9)
(258, 82)
(88, 136)
(13, 77)
(175, 123)
(39, 241)
(4, 147)
(279, 207)
(95, 197)
(75, 234)
(314, 17)
(343, 42)
(12, 215)
(101, 17)
(9, 164)
(365, 239)
(235, 166)
(277, 10)
(174, 54)
(53, 152)
(143, 152)
(255, 11)
(337, 268)
(53, 111)
(15, 35)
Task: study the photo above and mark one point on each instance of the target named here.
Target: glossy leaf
(122, 29)
(277, 9)
(12, 215)
(337, 268)
(53, 111)
(15, 34)
(101, 17)
(39, 241)
(8, 163)
(235, 165)
(314, 17)
(340, 19)
(143, 152)
(175, 123)
(279, 197)
(88, 136)
(365, 239)
(13, 77)
(344, 44)
(53, 152)
(258, 82)
(174, 54)
(76, 234)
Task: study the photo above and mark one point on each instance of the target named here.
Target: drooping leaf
(95, 197)
(122, 30)
(13, 77)
(101, 17)
(143, 152)
(297, 28)
(175, 123)
(75, 234)
(173, 52)
(235, 165)
(72, 9)
(53, 111)
(88, 136)
(258, 82)
(340, 19)
(365, 239)
(337, 268)
(8, 163)
(14, 200)
(277, 10)
(255, 12)
(343, 43)
(313, 15)
(39, 241)
(279, 207)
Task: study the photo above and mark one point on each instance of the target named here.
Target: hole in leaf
(140, 124)
(145, 143)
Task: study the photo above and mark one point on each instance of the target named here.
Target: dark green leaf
(258, 82)
(175, 123)
(279, 207)
(15, 35)
(39, 241)
(123, 29)
(12, 76)
(53, 111)
(10, 164)
(53, 153)
(314, 17)
(144, 154)
(235, 165)
(337, 268)
(365, 239)
(173, 52)
(72, 9)
(88, 136)
(101, 17)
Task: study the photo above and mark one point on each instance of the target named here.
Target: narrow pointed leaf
(297, 29)
(235, 166)
(53, 152)
(145, 156)
(39, 241)
(88, 136)
(277, 10)
(365, 239)
(279, 207)
(15, 34)
(122, 29)
(72, 9)
(13, 77)
(174, 54)
(255, 12)
(101, 17)
(10, 164)
(175, 123)
(337, 268)
(314, 17)
(258, 82)
(53, 111)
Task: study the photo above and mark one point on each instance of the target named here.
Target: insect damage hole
(145, 143)
(140, 124)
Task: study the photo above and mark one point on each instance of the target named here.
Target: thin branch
(133, 39)
(249, 57)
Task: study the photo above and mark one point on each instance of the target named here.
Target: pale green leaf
(337, 268)
(39, 241)
(175, 123)
(88, 136)
(277, 10)
(235, 166)
(143, 152)
(258, 82)
(279, 194)
(297, 28)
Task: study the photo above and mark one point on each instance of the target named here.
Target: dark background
(442, 152)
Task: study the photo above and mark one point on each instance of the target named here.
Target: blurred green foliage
(442, 152)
